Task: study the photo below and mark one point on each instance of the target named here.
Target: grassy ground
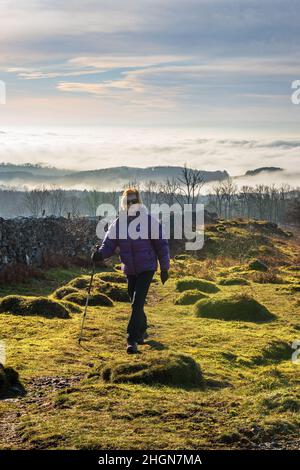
(250, 399)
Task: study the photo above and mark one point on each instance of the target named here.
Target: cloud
(168, 62)
(91, 148)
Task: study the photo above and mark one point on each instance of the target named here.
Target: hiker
(139, 258)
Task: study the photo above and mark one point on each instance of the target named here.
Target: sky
(220, 68)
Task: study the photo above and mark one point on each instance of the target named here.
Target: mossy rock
(114, 291)
(95, 300)
(118, 278)
(234, 281)
(158, 369)
(235, 307)
(64, 291)
(193, 283)
(275, 351)
(257, 265)
(40, 306)
(189, 297)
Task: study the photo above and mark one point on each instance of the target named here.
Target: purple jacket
(137, 255)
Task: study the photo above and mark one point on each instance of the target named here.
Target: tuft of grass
(234, 281)
(234, 307)
(41, 306)
(81, 282)
(189, 297)
(282, 402)
(114, 291)
(158, 369)
(79, 298)
(9, 382)
(275, 351)
(267, 278)
(188, 283)
(115, 277)
(70, 306)
(257, 265)
(64, 291)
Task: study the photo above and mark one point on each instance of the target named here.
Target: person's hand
(164, 276)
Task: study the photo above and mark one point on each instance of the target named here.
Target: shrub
(234, 281)
(188, 283)
(257, 265)
(41, 306)
(166, 369)
(235, 307)
(189, 297)
(79, 298)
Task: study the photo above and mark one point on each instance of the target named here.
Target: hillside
(216, 372)
(106, 178)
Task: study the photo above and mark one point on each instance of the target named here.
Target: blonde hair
(129, 192)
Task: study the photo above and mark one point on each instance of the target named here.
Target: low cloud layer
(92, 148)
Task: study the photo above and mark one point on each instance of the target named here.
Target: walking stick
(86, 304)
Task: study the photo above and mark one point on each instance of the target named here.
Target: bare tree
(191, 182)
(35, 201)
(93, 199)
(57, 201)
(169, 192)
(228, 191)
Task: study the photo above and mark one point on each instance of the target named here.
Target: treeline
(225, 199)
(263, 202)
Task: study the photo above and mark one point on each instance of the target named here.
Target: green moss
(275, 351)
(81, 282)
(189, 297)
(257, 265)
(193, 283)
(182, 257)
(281, 402)
(41, 306)
(9, 382)
(112, 277)
(70, 306)
(234, 307)
(163, 368)
(79, 298)
(234, 281)
(63, 291)
(115, 291)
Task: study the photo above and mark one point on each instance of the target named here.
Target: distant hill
(263, 169)
(106, 178)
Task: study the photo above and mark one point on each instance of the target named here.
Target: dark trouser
(138, 286)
